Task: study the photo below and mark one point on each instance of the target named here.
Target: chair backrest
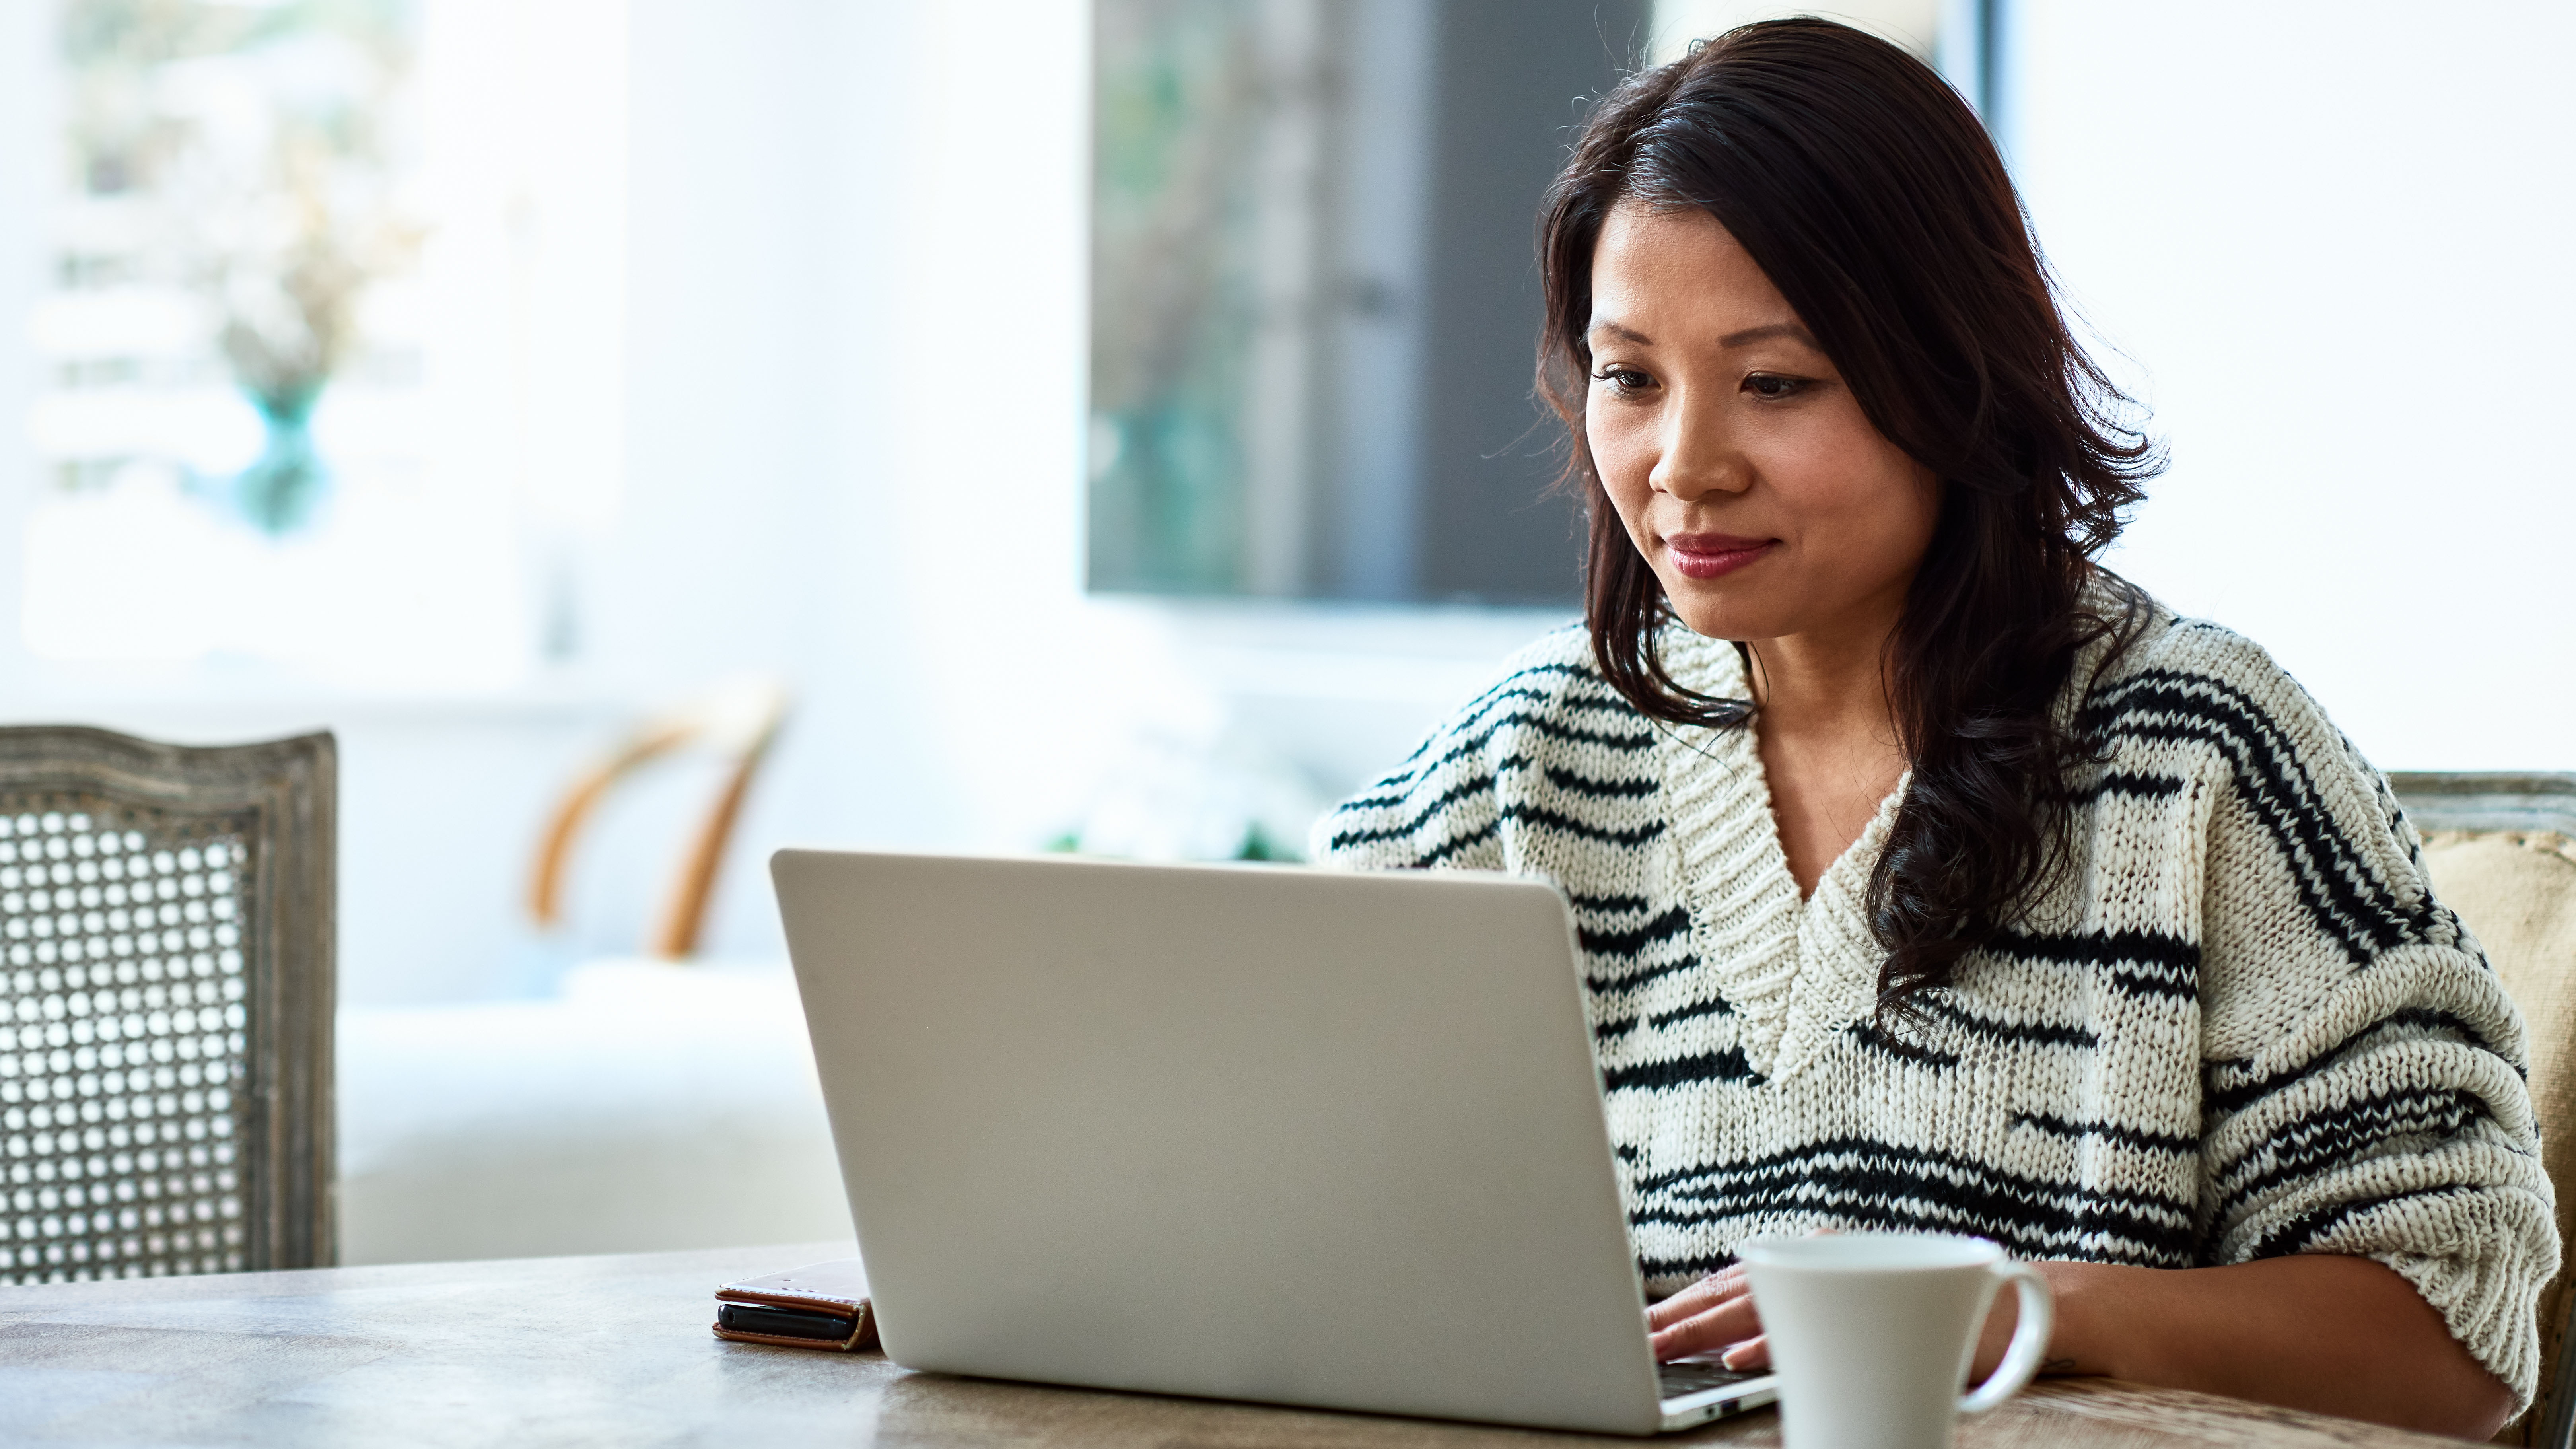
(2502, 853)
(738, 719)
(166, 975)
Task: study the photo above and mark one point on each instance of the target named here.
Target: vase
(278, 492)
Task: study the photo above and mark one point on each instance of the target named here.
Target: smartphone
(783, 1322)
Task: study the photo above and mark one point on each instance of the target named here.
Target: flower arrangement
(257, 139)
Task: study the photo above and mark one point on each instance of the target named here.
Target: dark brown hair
(1868, 192)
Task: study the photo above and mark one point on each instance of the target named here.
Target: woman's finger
(1752, 1353)
(1718, 1287)
(1697, 1298)
(1712, 1330)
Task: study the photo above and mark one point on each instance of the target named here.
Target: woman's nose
(1698, 458)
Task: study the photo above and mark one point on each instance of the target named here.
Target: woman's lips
(1709, 555)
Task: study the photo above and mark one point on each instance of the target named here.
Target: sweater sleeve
(2364, 1070)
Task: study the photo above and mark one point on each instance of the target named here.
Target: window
(1313, 303)
(329, 382)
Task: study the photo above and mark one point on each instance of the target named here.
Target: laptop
(1237, 1132)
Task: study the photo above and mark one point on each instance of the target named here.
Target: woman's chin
(1710, 609)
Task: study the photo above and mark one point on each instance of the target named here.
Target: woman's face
(1740, 463)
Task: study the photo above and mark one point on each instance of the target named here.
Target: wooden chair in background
(738, 719)
(2502, 852)
(633, 1104)
(166, 984)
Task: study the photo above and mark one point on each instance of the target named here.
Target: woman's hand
(1716, 1315)
(2332, 1334)
(1713, 1315)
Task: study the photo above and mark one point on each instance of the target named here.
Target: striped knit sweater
(2241, 1028)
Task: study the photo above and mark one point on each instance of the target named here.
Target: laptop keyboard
(1691, 1378)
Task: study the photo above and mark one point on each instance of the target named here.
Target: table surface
(615, 1350)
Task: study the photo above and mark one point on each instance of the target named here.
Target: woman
(1927, 875)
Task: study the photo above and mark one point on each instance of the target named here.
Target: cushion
(649, 1106)
(2517, 892)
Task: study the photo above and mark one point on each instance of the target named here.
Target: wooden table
(615, 1351)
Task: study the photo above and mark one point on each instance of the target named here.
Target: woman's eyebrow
(1790, 330)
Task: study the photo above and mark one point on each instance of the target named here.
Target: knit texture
(2240, 1028)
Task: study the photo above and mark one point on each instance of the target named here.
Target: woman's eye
(1772, 385)
(1624, 379)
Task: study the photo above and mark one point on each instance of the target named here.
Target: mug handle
(2029, 1340)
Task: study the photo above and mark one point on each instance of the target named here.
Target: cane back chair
(166, 960)
(2502, 853)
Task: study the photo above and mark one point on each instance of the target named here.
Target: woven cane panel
(124, 1070)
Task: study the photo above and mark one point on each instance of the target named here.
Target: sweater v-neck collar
(1797, 972)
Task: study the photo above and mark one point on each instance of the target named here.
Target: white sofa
(647, 1106)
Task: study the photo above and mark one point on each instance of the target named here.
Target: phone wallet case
(838, 1288)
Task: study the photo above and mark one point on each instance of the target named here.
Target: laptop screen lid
(1234, 1131)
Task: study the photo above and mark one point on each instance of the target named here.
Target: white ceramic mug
(1872, 1333)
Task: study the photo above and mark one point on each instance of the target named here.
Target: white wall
(853, 387)
(859, 265)
(2330, 237)
(854, 393)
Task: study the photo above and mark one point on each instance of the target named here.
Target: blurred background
(1099, 427)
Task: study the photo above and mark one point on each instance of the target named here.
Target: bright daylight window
(1313, 305)
(329, 383)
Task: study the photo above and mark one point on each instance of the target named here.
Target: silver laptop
(1240, 1132)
